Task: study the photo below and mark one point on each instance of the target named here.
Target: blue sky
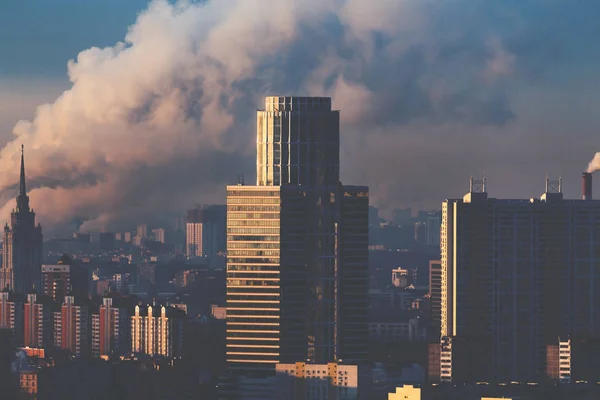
(37, 37)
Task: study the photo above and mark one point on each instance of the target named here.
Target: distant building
(142, 231)
(421, 235)
(406, 392)
(38, 323)
(120, 282)
(394, 330)
(21, 245)
(159, 235)
(571, 360)
(102, 287)
(107, 241)
(433, 230)
(146, 273)
(157, 331)
(402, 278)
(205, 231)
(65, 278)
(110, 330)
(218, 312)
(137, 241)
(11, 316)
(186, 277)
(71, 328)
(82, 237)
(28, 380)
(127, 237)
(303, 380)
(56, 280)
(435, 295)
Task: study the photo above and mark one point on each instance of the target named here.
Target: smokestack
(586, 188)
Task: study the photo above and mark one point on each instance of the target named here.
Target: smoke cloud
(164, 119)
(594, 165)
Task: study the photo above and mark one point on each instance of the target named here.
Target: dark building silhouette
(107, 241)
(22, 245)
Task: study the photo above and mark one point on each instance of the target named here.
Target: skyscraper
(21, 244)
(297, 246)
(205, 231)
(517, 275)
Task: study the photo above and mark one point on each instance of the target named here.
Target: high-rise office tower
(71, 328)
(38, 325)
(21, 244)
(110, 330)
(297, 246)
(157, 331)
(519, 274)
(205, 231)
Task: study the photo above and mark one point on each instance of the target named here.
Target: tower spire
(22, 188)
(22, 199)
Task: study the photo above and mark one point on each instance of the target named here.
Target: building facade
(517, 274)
(11, 316)
(205, 231)
(331, 381)
(297, 246)
(56, 281)
(38, 324)
(21, 245)
(65, 278)
(110, 330)
(157, 331)
(71, 328)
(435, 298)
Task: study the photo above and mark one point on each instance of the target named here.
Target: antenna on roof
(241, 180)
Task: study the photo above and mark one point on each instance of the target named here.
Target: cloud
(429, 91)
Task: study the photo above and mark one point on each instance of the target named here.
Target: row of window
(253, 230)
(253, 222)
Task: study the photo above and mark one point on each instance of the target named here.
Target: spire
(22, 199)
(22, 188)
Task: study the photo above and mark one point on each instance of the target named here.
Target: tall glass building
(297, 246)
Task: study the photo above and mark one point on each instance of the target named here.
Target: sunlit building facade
(157, 331)
(297, 246)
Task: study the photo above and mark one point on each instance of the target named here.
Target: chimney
(586, 188)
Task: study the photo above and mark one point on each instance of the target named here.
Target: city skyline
(511, 114)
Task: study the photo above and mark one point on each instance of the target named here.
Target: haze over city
(129, 110)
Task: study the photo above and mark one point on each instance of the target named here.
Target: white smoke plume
(162, 120)
(594, 165)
